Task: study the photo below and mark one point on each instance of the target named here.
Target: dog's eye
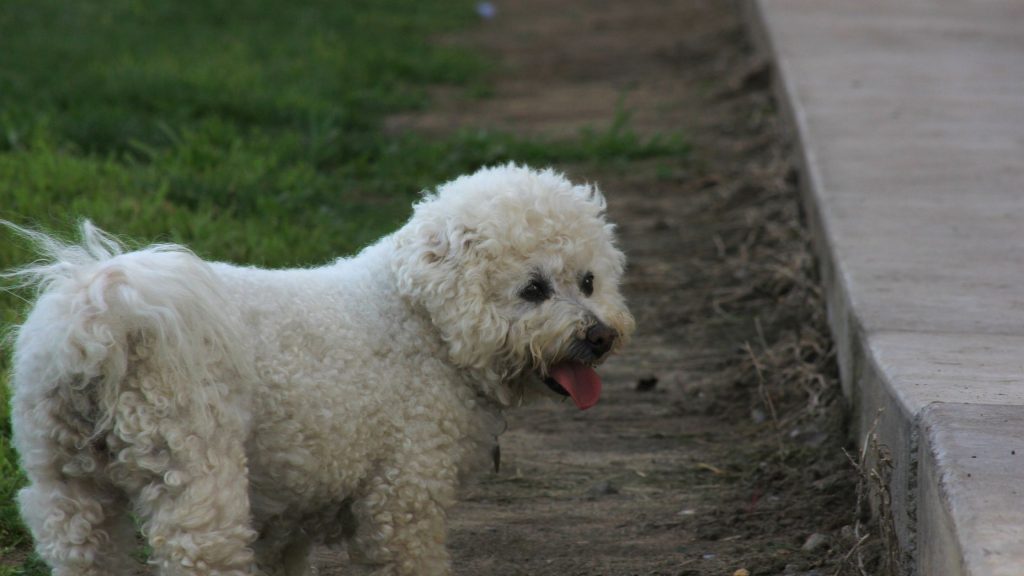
(587, 284)
(538, 290)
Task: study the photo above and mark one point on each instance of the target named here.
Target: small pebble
(602, 488)
(741, 572)
(646, 384)
(847, 533)
(758, 416)
(814, 542)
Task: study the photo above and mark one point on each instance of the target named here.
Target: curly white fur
(244, 414)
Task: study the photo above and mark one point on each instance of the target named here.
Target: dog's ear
(439, 267)
(445, 243)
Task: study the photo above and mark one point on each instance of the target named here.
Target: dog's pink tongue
(580, 381)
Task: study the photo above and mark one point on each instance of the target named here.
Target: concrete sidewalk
(910, 122)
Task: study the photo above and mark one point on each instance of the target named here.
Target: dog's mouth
(575, 380)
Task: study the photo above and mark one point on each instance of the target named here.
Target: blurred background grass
(250, 130)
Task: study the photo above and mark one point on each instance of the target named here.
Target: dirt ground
(718, 443)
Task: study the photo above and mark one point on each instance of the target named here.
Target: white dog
(243, 414)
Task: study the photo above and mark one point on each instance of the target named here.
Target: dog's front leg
(401, 522)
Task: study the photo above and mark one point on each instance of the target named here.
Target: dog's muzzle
(574, 376)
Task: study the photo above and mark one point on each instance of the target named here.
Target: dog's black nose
(601, 338)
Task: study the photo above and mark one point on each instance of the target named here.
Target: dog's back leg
(192, 497)
(81, 529)
(79, 521)
(181, 458)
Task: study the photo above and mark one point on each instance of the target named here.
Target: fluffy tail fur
(97, 304)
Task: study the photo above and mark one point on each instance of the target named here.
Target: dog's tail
(100, 311)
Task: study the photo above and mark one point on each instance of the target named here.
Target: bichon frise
(240, 414)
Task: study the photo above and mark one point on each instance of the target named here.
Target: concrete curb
(909, 120)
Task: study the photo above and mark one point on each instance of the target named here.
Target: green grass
(249, 130)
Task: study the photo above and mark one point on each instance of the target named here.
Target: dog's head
(519, 272)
